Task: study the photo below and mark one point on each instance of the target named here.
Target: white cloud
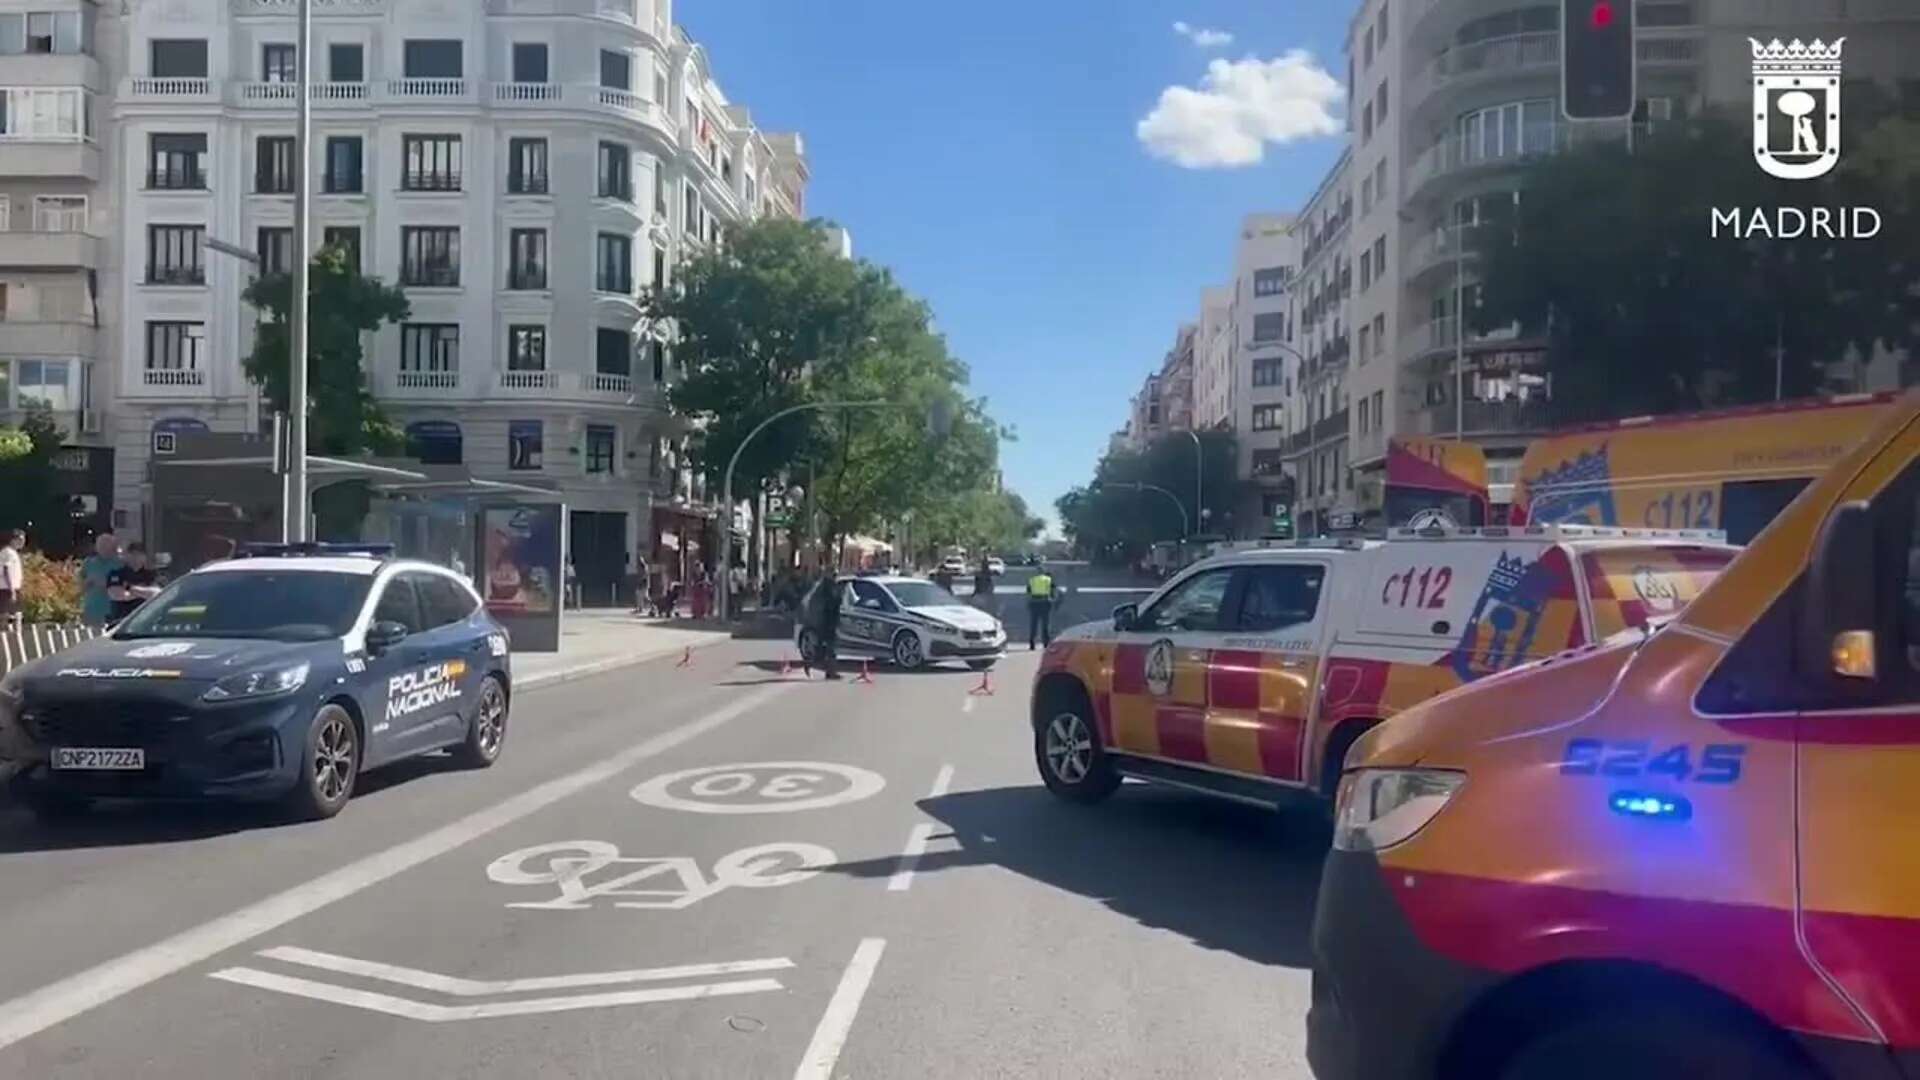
(1203, 37)
(1239, 107)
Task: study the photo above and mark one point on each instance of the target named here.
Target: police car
(279, 675)
(910, 621)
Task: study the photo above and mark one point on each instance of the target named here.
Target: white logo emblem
(160, 649)
(1432, 518)
(1160, 668)
(1796, 108)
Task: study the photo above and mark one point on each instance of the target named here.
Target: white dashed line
(823, 1053)
(943, 781)
(920, 837)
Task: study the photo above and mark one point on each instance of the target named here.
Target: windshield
(1634, 587)
(921, 594)
(292, 605)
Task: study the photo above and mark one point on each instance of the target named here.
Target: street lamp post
(296, 508)
(1199, 474)
(1128, 485)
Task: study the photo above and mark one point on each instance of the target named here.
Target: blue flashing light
(1655, 807)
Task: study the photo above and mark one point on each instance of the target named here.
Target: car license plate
(97, 757)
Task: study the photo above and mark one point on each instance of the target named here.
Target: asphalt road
(700, 872)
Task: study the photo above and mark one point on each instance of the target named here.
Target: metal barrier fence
(24, 644)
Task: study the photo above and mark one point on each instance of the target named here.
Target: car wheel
(1652, 1045)
(329, 767)
(488, 732)
(908, 653)
(982, 665)
(1072, 762)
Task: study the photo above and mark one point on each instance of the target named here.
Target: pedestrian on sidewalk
(96, 606)
(1040, 598)
(13, 579)
(983, 586)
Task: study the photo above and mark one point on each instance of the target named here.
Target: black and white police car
(279, 675)
(910, 621)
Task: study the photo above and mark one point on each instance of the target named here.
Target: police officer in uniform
(1040, 599)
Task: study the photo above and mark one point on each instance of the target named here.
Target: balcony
(285, 95)
(173, 378)
(166, 91)
(520, 382)
(1440, 249)
(47, 338)
(426, 380)
(321, 8)
(24, 249)
(1331, 426)
(1443, 334)
(602, 382)
(49, 157)
(1501, 57)
(451, 91)
(1506, 146)
(1510, 417)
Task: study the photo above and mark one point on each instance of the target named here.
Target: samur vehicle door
(1159, 699)
(866, 618)
(1261, 680)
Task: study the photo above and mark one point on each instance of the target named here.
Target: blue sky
(988, 154)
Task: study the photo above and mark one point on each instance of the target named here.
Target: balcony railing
(1488, 417)
(1443, 246)
(173, 377)
(610, 383)
(427, 380)
(1330, 426)
(429, 181)
(528, 380)
(1444, 333)
(1511, 55)
(170, 88)
(411, 89)
(1497, 146)
(430, 277)
(176, 275)
(513, 93)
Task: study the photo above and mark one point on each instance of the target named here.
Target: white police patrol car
(280, 675)
(910, 621)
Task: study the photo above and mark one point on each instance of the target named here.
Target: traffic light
(1596, 59)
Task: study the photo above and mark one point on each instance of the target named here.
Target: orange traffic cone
(985, 689)
(866, 672)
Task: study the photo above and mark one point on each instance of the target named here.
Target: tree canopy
(28, 497)
(1108, 515)
(343, 304)
(1612, 255)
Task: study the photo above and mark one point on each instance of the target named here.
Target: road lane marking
(966, 703)
(917, 840)
(37, 1010)
(942, 780)
(669, 884)
(823, 1053)
(437, 1014)
(771, 787)
(455, 986)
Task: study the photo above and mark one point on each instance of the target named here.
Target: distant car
(281, 677)
(996, 565)
(910, 621)
(953, 564)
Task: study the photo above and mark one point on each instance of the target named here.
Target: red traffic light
(1602, 16)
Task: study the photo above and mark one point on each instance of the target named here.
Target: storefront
(681, 544)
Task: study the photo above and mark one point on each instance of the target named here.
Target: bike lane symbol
(664, 883)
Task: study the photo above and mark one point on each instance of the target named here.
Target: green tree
(29, 498)
(343, 306)
(1612, 257)
(1109, 516)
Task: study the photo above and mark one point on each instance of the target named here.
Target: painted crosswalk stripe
(436, 1014)
(459, 987)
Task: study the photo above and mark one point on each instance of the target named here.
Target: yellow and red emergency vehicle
(1730, 469)
(1688, 852)
(1250, 673)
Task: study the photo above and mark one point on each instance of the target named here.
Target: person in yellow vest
(1040, 599)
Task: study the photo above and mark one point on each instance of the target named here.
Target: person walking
(983, 586)
(830, 626)
(96, 574)
(133, 584)
(1040, 598)
(13, 579)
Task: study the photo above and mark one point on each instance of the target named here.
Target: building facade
(523, 169)
(1316, 383)
(1266, 263)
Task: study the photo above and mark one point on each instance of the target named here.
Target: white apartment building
(56, 192)
(1316, 383)
(523, 168)
(1213, 353)
(1265, 263)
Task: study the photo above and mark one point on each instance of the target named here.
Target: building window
(431, 163)
(1380, 102)
(175, 255)
(1366, 269)
(1267, 463)
(346, 63)
(1268, 372)
(60, 213)
(527, 259)
(616, 70)
(1380, 179)
(177, 162)
(658, 355)
(435, 442)
(1380, 256)
(616, 172)
(279, 63)
(1382, 28)
(345, 155)
(1379, 334)
(345, 238)
(612, 352)
(52, 113)
(614, 268)
(432, 60)
(526, 348)
(274, 172)
(1270, 282)
(659, 267)
(1362, 416)
(1366, 194)
(175, 346)
(1363, 344)
(1269, 417)
(177, 58)
(429, 347)
(276, 250)
(524, 439)
(1270, 327)
(430, 255)
(41, 32)
(1379, 405)
(600, 445)
(529, 61)
(526, 166)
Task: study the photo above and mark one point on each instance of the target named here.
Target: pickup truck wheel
(1073, 765)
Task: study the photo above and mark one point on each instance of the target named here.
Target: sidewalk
(602, 639)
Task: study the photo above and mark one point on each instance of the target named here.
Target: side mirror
(1837, 614)
(382, 636)
(1125, 616)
